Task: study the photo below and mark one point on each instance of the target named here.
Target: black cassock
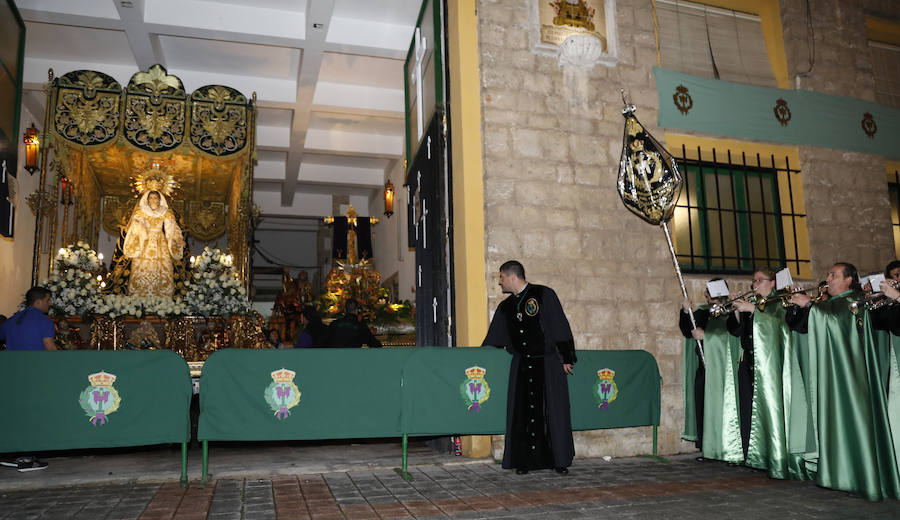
(533, 328)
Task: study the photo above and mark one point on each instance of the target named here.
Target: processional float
(101, 139)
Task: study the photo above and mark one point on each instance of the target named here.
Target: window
(739, 211)
(713, 43)
(894, 194)
(886, 71)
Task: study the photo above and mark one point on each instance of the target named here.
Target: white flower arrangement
(75, 288)
(116, 305)
(214, 288)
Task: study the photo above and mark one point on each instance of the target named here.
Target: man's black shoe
(521, 471)
(701, 459)
(561, 471)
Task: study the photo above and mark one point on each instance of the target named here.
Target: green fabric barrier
(433, 400)
(746, 111)
(44, 394)
(343, 393)
(637, 390)
(434, 382)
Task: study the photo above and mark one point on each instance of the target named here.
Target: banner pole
(665, 227)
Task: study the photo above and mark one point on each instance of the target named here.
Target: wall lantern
(32, 145)
(389, 199)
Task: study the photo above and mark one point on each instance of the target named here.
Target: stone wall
(552, 140)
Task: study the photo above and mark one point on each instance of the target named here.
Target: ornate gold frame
(99, 135)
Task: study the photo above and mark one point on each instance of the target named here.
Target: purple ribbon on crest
(282, 413)
(99, 417)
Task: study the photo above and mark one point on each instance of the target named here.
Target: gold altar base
(193, 337)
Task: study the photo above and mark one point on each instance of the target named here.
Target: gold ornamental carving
(87, 107)
(206, 220)
(155, 105)
(218, 120)
(116, 210)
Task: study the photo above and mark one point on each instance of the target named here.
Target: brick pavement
(621, 489)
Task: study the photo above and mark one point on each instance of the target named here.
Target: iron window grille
(739, 214)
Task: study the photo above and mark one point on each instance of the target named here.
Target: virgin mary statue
(152, 241)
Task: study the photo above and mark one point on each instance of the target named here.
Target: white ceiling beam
(318, 21)
(368, 35)
(331, 141)
(361, 97)
(325, 173)
(144, 46)
(33, 15)
(231, 18)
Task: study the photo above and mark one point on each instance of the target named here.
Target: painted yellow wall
(881, 30)
(468, 184)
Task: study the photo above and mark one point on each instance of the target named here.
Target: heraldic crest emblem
(282, 394)
(101, 398)
(605, 389)
(475, 389)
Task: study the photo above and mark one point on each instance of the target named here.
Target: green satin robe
(855, 450)
(721, 421)
(772, 391)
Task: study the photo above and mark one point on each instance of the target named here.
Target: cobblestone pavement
(620, 489)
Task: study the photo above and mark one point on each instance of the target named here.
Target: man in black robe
(348, 331)
(531, 325)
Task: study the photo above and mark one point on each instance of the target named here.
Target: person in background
(30, 329)
(314, 333)
(349, 331)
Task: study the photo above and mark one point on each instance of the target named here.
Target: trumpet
(875, 301)
(785, 297)
(718, 309)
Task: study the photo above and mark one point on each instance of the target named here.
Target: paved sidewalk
(620, 489)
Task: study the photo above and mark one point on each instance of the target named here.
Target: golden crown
(102, 379)
(155, 178)
(606, 374)
(475, 372)
(283, 376)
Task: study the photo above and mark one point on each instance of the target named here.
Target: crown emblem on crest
(475, 372)
(102, 379)
(283, 376)
(606, 374)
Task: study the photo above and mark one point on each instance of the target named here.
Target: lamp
(32, 145)
(389, 199)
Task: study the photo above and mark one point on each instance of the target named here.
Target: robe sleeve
(797, 319)
(135, 235)
(174, 238)
(498, 333)
(557, 327)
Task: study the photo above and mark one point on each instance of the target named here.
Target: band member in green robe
(769, 339)
(854, 448)
(710, 392)
(886, 322)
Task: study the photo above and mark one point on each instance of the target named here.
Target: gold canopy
(101, 136)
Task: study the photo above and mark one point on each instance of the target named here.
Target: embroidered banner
(798, 117)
